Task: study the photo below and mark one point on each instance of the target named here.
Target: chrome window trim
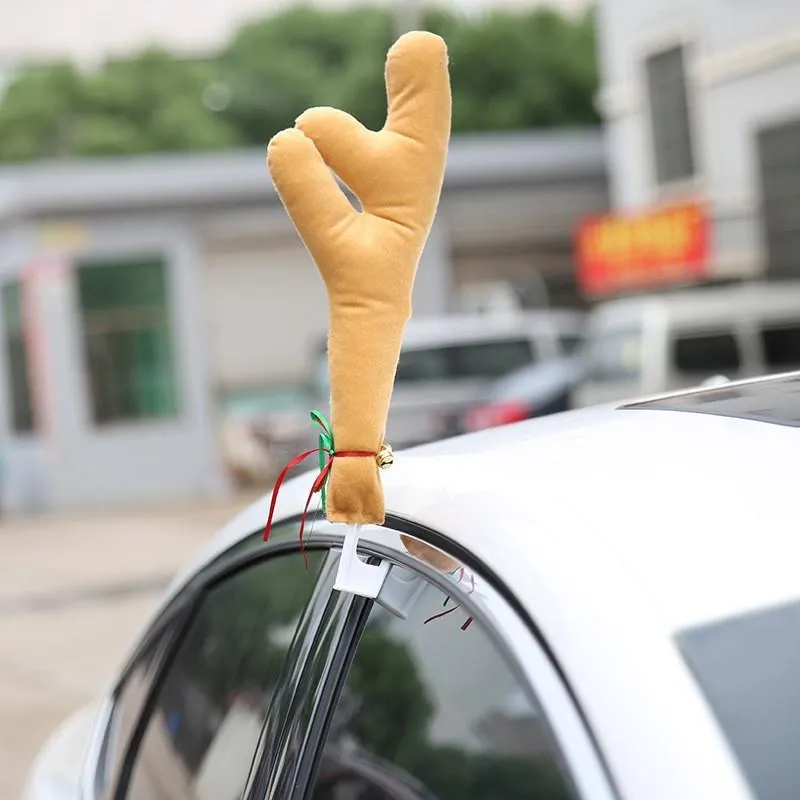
(286, 773)
(92, 784)
(89, 786)
(519, 642)
(251, 550)
(302, 650)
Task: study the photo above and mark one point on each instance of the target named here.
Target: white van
(447, 362)
(661, 343)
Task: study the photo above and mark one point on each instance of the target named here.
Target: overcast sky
(91, 29)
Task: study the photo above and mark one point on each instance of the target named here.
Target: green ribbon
(326, 449)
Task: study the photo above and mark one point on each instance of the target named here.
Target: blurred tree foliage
(509, 70)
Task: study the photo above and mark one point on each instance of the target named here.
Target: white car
(625, 623)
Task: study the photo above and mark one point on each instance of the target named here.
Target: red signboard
(622, 253)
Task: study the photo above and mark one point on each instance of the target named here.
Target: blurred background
(620, 216)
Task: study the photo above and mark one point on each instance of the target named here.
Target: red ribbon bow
(317, 486)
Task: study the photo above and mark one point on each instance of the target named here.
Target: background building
(702, 106)
(141, 295)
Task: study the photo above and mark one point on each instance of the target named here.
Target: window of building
(128, 340)
(707, 354)
(205, 726)
(779, 157)
(417, 717)
(669, 115)
(17, 356)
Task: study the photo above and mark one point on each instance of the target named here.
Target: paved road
(74, 593)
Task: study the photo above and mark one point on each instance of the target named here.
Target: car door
(234, 656)
(444, 693)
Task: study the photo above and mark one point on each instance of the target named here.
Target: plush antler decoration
(368, 259)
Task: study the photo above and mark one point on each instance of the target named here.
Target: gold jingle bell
(385, 457)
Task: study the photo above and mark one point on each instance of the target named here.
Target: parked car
(614, 613)
(674, 340)
(533, 391)
(447, 363)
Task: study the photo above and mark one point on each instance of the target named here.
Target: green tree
(278, 67)
(39, 111)
(512, 70)
(509, 70)
(151, 102)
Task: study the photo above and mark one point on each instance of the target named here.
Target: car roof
(702, 306)
(452, 329)
(606, 508)
(457, 328)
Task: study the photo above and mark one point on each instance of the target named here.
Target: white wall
(744, 72)
(74, 463)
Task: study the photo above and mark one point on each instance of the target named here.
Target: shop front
(660, 248)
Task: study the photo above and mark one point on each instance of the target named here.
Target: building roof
(239, 176)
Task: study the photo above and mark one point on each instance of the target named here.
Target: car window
(781, 345)
(570, 344)
(483, 360)
(488, 360)
(130, 700)
(706, 354)
(416, 366)
(615, 355)
(747, 667)
(208, 712)
(431, 710)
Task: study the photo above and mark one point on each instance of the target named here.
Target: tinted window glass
(129, 703)
(775, 401)
(782, 346)
(706, 354)
(490, 359)
(615, 355)
(434, 711)
(749, 669)
(208, 715)
(570, 344)
(422, 365)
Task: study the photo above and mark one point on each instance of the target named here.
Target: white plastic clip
(354, 575)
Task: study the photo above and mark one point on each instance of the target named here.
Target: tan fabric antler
(368, 259)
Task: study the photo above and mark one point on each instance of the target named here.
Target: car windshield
(748, 667)
(483, 360)
(614, 354)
